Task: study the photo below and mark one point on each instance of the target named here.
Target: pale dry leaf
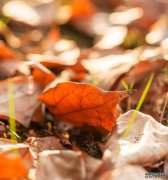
(146, 141)
(91, 165)
(108, 69)
(66, 164)
(31, 12)
(127, 172)
(25, 94)
(166, 166)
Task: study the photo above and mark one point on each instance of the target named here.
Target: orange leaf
(5, 52)
(15, 160)
(82, 9)
(12, 168)
(81, 104)
(43, 77)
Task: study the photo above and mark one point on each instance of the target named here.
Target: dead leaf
(64, 164)
(6, 53)
(84, 9)
(91, 165)
(146, 135)
(166, 166)
(12, 69)
(10, 166)
(25, 95)
(31, 12)
(43, 76)
(81, 104)
(40, 144)
(128, 172)
(14, 157)
(143, 69)
(46, 143)
(109, 69)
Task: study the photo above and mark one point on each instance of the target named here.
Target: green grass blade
(139, 105)
(11, 102)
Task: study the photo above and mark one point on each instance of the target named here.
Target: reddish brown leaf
(5, 52)
(81, 104)
(82, 9)
(43, 77)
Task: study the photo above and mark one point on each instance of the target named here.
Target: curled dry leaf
(14, 157)
(64, 164)
(25, 96)
(146, 135)
(81, 104)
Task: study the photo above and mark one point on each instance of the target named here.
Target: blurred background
(111, 44)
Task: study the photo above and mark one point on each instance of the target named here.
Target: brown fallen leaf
(64, 164)
(81, 104)
(40, 144)
(25, 96)
(46, 143)
(143, 69)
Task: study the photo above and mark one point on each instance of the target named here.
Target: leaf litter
(73, 71)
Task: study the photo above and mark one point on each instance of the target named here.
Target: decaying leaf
(25, 96)
(38, 145)
(146, 141)
(46, 143)
(81, 104)
(64, 164)
(15, 160)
